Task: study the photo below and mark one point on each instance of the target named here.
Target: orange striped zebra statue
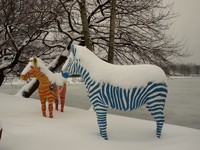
(52, 87)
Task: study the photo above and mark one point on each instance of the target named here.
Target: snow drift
(25, 129)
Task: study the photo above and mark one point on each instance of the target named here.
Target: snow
(53, 63)
(65, 52)
(25, 128)
(126, 76)
(54, 78)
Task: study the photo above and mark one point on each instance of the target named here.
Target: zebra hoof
(158, 136)
(105, 138)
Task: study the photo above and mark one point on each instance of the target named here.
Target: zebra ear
(35, 61)
(73, 49)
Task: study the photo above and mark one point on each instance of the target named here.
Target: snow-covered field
(26, 129)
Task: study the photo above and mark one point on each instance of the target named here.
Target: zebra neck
(85, 76)
(43, 79)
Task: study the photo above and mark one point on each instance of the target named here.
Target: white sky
(187, 27)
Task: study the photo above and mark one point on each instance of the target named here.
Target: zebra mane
(50, 75)
(44, 68)
(53, 77)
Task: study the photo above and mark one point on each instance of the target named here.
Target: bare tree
(22, 26)
(140, 30)
(86, 31)
(112, 32)
(185, 69)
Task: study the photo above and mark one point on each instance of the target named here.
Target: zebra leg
(50, 108)
(156, 107)
(62, 97)
(56, 103)
(102, 122)
(43, 104)
(62, 103)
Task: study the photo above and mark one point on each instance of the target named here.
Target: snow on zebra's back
(125, 76)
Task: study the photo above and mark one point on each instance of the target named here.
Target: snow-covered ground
(26, 129)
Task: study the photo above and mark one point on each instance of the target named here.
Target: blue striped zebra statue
(120, 87)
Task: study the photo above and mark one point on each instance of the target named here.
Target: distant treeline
(185, 70)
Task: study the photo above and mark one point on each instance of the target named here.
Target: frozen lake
(182, 106)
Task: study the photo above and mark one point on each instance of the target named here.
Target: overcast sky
(187, 26)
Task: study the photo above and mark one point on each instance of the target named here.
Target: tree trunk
(112, 32)
(2, 76)
(86, 31)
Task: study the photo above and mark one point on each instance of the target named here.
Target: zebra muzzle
(24, 77)
(65, 74)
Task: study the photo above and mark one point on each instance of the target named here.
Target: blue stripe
(132, 98)
(126, 96)
(156, 101)
(115, 97)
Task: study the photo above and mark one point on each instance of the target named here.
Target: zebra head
(71, 65)
(31, 70)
